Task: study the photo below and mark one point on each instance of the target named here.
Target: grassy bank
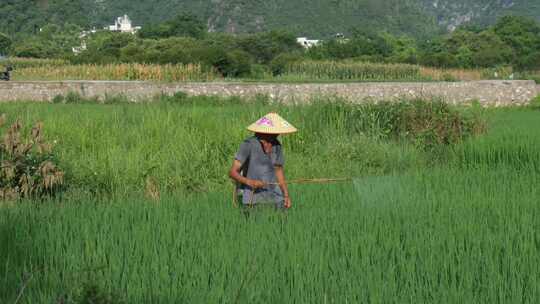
(447, 224)
(188, 144)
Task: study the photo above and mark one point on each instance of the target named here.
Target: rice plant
(442, 236)
(402, 231)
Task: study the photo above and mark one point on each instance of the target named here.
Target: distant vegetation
(512, 44)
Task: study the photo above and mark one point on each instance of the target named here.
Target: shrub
(280, 63)
(238, 64)
(427, 124)
(434, 123)
(28, 166)
(76, 98)
(178, 97)
(229, 64)
(5, 43)
(535, 103)
(259, 71)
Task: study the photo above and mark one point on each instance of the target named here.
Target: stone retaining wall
(489, 93)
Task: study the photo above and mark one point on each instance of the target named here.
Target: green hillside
(316, 18)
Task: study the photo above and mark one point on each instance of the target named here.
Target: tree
(530, 62)
(104, 47)
(34, 48)
(183, 25)
(5, 43)
(464, 57)
(489, 50)
(264, 47)
(522, 35)
(403, 48)
(279, 65)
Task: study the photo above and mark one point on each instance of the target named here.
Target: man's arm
(235, 175)
(280, 175)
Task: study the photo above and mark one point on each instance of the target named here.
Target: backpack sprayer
(296, 181)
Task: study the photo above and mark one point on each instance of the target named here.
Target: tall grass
(188, 143)
(176, 72)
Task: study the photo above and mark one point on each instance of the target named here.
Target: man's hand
(288, 203)
(255, 184)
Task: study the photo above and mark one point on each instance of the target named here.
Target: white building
(124, 25)
(79, 49)
(307, 43)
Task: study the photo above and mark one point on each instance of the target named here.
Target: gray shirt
(260, 166)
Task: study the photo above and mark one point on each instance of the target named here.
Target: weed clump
(70, 98)
(76, 98)
(535, 103)
(91, 293)
(434, 123)
(28, 166)
(427, 124)
(178, 97)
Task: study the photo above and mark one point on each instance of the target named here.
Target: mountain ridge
(314, 18)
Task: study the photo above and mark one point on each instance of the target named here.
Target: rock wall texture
(489, 93)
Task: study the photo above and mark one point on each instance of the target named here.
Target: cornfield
(169, 72)
(305, 71)
(357, 71)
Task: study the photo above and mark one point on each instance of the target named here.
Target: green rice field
(455, 224)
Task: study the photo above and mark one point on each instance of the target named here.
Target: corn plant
(146, 72)
(357, 71)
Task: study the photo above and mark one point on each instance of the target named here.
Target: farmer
(258, 165)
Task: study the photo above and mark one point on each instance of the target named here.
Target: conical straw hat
(272, 123)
